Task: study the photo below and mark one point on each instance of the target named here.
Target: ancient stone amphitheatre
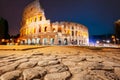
(59, 63)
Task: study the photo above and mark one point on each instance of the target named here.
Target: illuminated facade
(37, 30)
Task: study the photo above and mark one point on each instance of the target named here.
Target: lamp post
(113, 39)
(117, 40)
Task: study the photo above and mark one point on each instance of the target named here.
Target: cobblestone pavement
(91, 65)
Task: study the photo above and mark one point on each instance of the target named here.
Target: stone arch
(44, 41)
(52, 41)
(38, 41)
(59, 41)
(72, 33)
(45, 29)
(65, 41)
(33, 41)
(29, 41)
(39, 28)
(25, 41)
(59, 29)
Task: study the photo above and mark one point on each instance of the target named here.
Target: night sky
(98, 15)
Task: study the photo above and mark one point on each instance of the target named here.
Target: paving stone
(50, 58)
(14, 59)
(46, 63)
(43, 63)
(111, 76)
(86, 65)
(58, 76)
(37, 79)
(27, 64)
(109, 63)
(69, 63)
(79, 76)
(78, 59)
(13, 75)
(8, 67)
(5, 63)
(57, 68)
(76, 69)
(35, 59)
(95, 59)
(53, 62)
(98, 74)
(117, 71)
(97, 66)
(22, 60)
(108, 68)
(37, 54)
(33, 73)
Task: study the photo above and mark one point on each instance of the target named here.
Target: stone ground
(60, 63)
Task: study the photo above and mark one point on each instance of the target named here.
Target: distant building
(117, 31)
(36, 29)
(3, 29)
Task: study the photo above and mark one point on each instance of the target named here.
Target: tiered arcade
(37, 30)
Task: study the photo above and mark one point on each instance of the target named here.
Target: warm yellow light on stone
(27, 21)
(68, 32)
(33, 30)
(36, 27)
(3, 40)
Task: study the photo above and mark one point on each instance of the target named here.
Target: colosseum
(36, 29)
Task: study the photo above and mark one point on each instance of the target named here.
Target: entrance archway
(65, 41)
(25, 41)
(59, 42)
(44, 41)
(29, 41)
(38, 41)
(33, 41)
(51, 41)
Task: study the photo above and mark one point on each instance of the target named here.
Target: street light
(108, 41)
(97, 42)
(117, 40)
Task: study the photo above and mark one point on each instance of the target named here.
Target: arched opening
(79, 42)
(72, 41)
(38, 40)
(76, 42)
(33, 41)
(25, 41)
(72, 27)
(29, 41)
(45, 29)
(53, 29)
(59, 42)
(72, 33)
(40, 18)
(35, 19)
(59, 29)
(75, 33)
(21, 42)
(51, 41)
(34, 30)
(44, 41)
(39, 28)
(65, 41)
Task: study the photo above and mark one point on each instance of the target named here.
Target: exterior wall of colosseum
(37, 30)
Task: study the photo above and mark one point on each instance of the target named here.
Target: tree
(3, 29)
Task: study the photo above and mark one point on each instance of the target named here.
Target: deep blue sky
(98, 15)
